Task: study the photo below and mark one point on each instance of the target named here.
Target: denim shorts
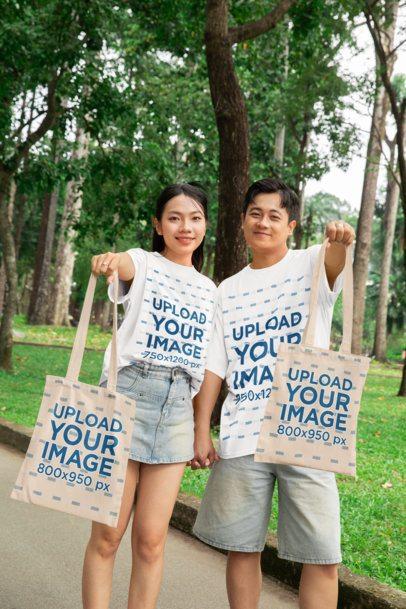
(234, 513)
(163, 428)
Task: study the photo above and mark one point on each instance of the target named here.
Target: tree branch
(393, 51)
(18, 131)
(52, 112)
(260, 26)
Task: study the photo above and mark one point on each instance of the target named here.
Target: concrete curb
(356, 591)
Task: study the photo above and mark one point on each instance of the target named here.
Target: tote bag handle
(309, 332)
(75, 362)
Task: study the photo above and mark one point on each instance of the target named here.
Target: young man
(265, 303)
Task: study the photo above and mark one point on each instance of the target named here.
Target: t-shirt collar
(273, 267)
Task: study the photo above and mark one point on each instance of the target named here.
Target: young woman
(161, 359)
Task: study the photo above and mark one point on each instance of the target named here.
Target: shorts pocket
(126, 378)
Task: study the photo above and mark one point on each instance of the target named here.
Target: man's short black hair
(289, 199)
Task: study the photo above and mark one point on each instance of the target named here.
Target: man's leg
(234, 515)
(309, 531)
(318, 587)
(244, 579)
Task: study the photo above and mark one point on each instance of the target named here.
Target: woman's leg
(156, 495)
(102, 547)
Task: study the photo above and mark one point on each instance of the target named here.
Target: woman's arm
(106, 264)
(203, 403)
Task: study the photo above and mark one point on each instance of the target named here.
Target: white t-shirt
(169, 310)
(256, 309)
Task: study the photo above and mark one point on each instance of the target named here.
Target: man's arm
(203, 404)
(340, 234)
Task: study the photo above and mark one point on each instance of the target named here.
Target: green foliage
(309, 100)
(320, 208)
(53, 40)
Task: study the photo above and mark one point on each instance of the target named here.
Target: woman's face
(183, 225)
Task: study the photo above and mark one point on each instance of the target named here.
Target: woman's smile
(185, 240)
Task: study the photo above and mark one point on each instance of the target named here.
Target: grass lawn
(372, 507)
(96, 338)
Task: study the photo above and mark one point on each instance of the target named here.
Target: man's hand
(205, 453)
(338, 231)
(340, 235)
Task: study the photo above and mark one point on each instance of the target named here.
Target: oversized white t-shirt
(256, 309)
(169, 310)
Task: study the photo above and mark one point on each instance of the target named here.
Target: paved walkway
(42, 552)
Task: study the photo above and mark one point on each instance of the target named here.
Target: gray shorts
(163, 428)
(236, 506)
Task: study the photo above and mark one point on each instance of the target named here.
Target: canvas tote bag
(77, 458)
(311, 416)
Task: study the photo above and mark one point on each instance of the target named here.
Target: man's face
(266, 224)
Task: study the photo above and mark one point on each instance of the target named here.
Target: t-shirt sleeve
(327, 295)
(139, 258)
(217, 360)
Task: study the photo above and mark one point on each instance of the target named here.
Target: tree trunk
(2, 285)
(10, 265)
(19, 220)
(232, 124)
(299, 230)
(107, 310)
(304, 141)
(37, 311)
(281, 129)
(280, 145)
(402, 388)
(10, 198)
(366, 215)
(21, 198)
(58, 313)
(389, 224)
(387, 56)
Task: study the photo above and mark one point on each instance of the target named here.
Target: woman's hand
(107, 264)
(205, 453)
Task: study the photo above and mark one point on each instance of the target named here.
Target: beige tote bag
(77, 458)
(311, 416)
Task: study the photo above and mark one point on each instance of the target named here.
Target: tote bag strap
(309, 332)
(75, 362)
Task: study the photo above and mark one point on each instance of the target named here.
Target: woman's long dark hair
(193, 191)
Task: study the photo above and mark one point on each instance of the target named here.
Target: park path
(42, 551)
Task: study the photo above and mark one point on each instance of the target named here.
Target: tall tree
(58, 313)
(379, 16)
(368, 198)
(281, 127)
(41, 53)
(389, 224)
(232, 124)
(39, 298)
(8, 167)
(377, 13)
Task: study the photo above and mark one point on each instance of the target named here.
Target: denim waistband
(160, 372)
